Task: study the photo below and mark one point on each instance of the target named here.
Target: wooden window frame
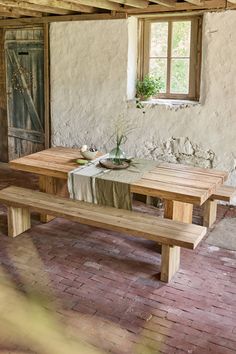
(195, 54)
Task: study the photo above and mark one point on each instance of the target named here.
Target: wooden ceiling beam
(168, 3)
(179, 6)
(63, 4)
(196, 2)
(28, 6)
(68, 18)
(8, 14)
(37, 8)
(101, 4)
(17, 12)
(141, 4)
(231, 5)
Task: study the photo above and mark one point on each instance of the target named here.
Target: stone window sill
(166, 102)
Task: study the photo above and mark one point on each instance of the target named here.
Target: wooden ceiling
(48, 10)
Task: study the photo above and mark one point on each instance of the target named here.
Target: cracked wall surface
(89, 63)
(179, 150)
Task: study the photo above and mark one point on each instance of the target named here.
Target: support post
(209, 212)
(170, 255)
(170, 260)
(47, 185)
(149, 200)
(18, 221)
(178, 211)
(52, 185)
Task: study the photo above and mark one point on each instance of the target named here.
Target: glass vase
(117, 155)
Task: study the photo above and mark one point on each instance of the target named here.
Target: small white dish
(89, 155)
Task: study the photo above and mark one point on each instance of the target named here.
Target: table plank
(189, 175)
(180, 181)
(49, 169)
(196, 170)
(170, 191)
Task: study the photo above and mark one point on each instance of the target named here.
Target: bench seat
(223, 193)
(170, 234)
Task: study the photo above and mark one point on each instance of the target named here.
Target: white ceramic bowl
(89, 155)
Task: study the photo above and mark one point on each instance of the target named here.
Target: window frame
(195, 54)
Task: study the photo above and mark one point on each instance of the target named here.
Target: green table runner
(95, 184)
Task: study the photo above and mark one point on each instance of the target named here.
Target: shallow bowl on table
(89, 155)
(108, 163)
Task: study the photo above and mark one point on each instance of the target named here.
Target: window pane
(158, 68)
(179, 76)
(159, 39)
(181, 37)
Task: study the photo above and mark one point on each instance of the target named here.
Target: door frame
(3, 102)
(47, 108)
(4, 156)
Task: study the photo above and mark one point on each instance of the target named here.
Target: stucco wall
(89, 62)
(88, 79)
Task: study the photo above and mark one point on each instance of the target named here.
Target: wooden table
(180, 186)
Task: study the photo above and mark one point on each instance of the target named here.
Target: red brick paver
(104, 285)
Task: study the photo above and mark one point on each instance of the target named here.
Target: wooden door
(25, 91)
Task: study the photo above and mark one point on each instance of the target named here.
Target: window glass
(181, 36)
(179, 80)
(159, 39)
(158, 68)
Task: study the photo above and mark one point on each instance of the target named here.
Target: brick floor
(104, 285)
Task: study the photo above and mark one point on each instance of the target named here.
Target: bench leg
(170, 260)
(209, 212)
(18, 221)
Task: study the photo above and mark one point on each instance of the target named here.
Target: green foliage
(148, 87)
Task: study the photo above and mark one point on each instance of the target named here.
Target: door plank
(30, 135)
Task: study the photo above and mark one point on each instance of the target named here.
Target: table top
(169, 181)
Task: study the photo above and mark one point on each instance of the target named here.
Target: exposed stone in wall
(180, 150)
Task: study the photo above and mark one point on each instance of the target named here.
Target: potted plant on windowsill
(147, 87)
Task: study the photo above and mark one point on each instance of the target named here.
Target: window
(170, 49)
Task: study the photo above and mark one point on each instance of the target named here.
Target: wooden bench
(170, 234)
(223, 193)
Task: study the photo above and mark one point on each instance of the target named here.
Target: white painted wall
(89, 63)
(88, 80)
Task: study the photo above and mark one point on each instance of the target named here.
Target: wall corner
(132, 57)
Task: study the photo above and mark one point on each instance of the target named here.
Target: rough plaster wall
(89, 83)
(88, 79)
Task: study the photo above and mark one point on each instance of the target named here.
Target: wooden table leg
(55, 186)
(178, 211)
(209, 212)
(47, 185)
(61, 188)
(170, 262)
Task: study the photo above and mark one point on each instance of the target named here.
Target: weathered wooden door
(25, 91)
